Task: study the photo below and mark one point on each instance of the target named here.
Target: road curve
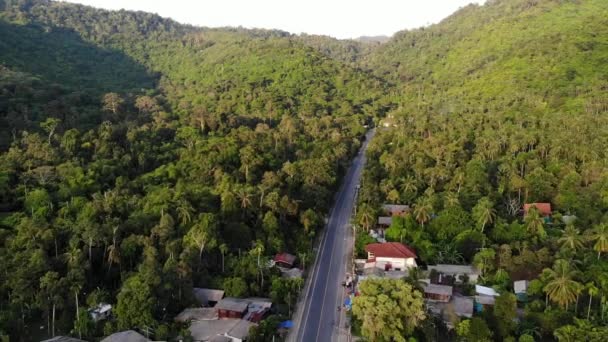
(320, 318)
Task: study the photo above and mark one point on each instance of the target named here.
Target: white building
(390, 256)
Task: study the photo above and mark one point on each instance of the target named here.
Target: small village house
(396, 209)
(232, 307)
(284, 260)
(390, 256)
(520, 288)
(439, 293)
(126, 336)
(385, 221)
(208, 297)
(485, 297)
(544, 209)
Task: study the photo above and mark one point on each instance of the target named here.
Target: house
(63, 339)
(234, 330)
(230, 307)
(285, 260)
(486, 291)
(385, 221)
(462, 306)
(126, 336)
(197, 314)
(457, 272)
(544, 209)
(257, 309)
(100, 312)
(396, 209)
(440, 293)
(208, 297)
(390, 256)
(520, 288)
(485, 298)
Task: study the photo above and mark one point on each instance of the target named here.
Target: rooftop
(196, 314)
(207, 330)
(463, 306)
(390, 250)
(63, 339)
(126, 336)
(486, 291)
(443, 290)
(385, 220)
(543, 208)
(392, 208)
(520, 286)
(285, 258)
(485, 300)
(204, 296)
(454, 269)
(232, 304)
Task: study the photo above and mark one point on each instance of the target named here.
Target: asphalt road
(320, 319)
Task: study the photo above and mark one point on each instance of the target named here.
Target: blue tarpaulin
(286, 324)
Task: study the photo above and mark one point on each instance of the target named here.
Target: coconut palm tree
(535, 224)
(561, 287)
(571, 239)
(484, 212)
(599, 235)
(422, 210)
(366, 216)
(592, 290)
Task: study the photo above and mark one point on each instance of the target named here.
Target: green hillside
(140, 157)
(501, 105)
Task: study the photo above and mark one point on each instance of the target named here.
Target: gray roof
(395, 207)
(126, 336)
(63, 339)
(232, 304)
(385, 220)
(196, 314)
(485, 300)
(463, 306)
(204, 296)
(207, 330)
(438, 289)
(454, 269)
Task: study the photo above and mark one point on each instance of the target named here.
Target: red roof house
(543, 208)
(391, 256)
(284, 260)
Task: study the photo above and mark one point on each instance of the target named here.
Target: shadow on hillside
(61, 56)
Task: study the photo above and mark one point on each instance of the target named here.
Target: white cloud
(338, 18)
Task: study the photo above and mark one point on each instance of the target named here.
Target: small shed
(486, 291)
(100, 312)
(520, 288)
(396, 209)
(230, 307)
(208, 297)
(385, 221)
(440, 293)
(284, 260)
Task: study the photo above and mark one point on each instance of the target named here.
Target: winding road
(317, 318)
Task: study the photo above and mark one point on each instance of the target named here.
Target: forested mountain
(140, 157)
(501, 105)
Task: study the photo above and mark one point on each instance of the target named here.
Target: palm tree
(571, 239)
(366, 216)
(451, 199)
(422, 210)
(535, 222)
(592, 290)
(562, 288)
(223, 249)
(599, 234)
(484, 212)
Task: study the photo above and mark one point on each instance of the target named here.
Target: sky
(338, 18)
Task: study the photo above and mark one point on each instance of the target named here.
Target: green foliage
(389, 309)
